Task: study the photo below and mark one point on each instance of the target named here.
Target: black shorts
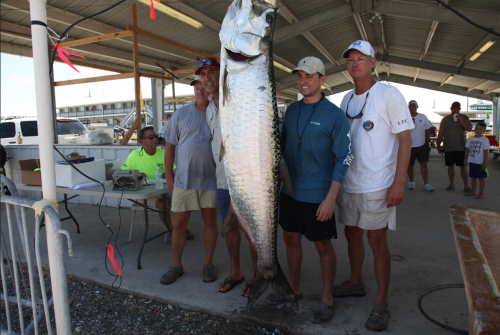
(454, 157)
(300, 217)
(421, 154)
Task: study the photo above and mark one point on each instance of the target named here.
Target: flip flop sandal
(248, 286)
(278, 299)
(379, 319)
(347, 290)
(231, 283)
(323, 313)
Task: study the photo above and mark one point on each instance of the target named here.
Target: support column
(496, 117)
(38, 14)
(157, 91)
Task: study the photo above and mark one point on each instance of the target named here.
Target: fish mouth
(238, 56)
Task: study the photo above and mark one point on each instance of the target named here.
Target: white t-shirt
(374, 142)
(422, 123)
(476, 149)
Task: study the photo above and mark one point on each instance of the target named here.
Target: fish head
(248, 26)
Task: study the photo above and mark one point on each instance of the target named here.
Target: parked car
(69, 131)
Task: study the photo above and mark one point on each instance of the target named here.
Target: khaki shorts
(192, 200)
(366, 210)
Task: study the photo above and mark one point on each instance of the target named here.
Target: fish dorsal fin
(221, 151)
(225, 89)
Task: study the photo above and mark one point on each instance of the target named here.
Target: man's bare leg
(210, 235)
(293, 243)
(246, 290)
(328, 263)
(410, 173)
(424, 172)
(378, 242)
(159, 206)
(482, 184)
(233, 241)
(451, 174)
(356, 251)
(181, 220)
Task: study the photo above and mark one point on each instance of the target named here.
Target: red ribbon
(111, 256)
(61, 51)
(152, 10)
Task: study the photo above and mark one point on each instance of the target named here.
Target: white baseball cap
(413, 102)
(310, 65)
(362, 46)
(195, 80)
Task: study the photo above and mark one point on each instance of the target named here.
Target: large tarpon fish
(250, 145)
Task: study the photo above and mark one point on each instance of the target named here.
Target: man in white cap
(374, 184)
(193, 186)
(316, 146)
(420, 146)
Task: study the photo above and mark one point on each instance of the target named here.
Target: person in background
(193, 185)
(147, 159)
(476, 153)
(420, 146)
(452, 134)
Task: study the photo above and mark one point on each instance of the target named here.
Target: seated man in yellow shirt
(147, 159)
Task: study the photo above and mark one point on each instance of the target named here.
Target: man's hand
(170, 183)
(325, 210)
(395, 195)
(439, 148)
(459, 118)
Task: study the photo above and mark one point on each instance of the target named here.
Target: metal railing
(33, 294)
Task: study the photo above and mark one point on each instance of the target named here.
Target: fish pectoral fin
(259, 286)
(230, 220)
(285, 175)
(221, 151)
(281, 286)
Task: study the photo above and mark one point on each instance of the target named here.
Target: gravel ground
(95, 310)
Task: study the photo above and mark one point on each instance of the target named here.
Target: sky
(18, 89)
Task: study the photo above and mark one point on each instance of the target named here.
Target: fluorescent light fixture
(482, 50)
(448, 79)
(283, 67)
(173, 13)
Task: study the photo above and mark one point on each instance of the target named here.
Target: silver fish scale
(251, 153)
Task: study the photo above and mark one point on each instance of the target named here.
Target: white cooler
(67, 176)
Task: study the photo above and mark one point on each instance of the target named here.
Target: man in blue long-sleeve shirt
(316, 145)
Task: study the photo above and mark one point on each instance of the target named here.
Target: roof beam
(479, 82)
(291, 18)
(491, 89)
(436, 87)
(91, 25)
(439, 67)
(434, 12)
(361, 26)
(427, 44)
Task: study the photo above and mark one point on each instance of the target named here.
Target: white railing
(13, 271)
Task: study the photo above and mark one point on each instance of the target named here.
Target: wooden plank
(182, 99)
(153, 76)
(91, 65)
(162, 39)
(94, 79)
(94, 39)
(135, 126)
(182, 71)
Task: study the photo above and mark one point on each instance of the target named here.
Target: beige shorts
(366, 210)
(192, 200)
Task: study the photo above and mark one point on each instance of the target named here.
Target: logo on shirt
(368, 125)
(402, 122)
(315, 123)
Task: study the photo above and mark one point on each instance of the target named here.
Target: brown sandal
(379, 319)
(231, 283)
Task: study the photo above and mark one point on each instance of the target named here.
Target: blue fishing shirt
(325, 150)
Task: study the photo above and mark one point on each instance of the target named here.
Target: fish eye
(269, 18)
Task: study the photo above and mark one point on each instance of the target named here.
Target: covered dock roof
(418, 43)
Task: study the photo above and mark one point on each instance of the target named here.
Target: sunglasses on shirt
(360, 114)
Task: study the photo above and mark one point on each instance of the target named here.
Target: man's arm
(327, 207)
(395, 193)
(441, 134)
(466, 156)
(169, 165)
(465, 122)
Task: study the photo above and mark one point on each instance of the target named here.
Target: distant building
(479, 111)
(119, 112)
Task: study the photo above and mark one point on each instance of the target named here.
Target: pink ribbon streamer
(152, 10)
(61, 51)
(111, 256)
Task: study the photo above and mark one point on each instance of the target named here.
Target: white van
(69, 131)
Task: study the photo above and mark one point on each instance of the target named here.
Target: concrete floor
(422, 248)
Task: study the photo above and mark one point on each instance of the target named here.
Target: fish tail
(260, 285)
(281, 286)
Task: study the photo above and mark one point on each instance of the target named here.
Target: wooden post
(137, 78)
